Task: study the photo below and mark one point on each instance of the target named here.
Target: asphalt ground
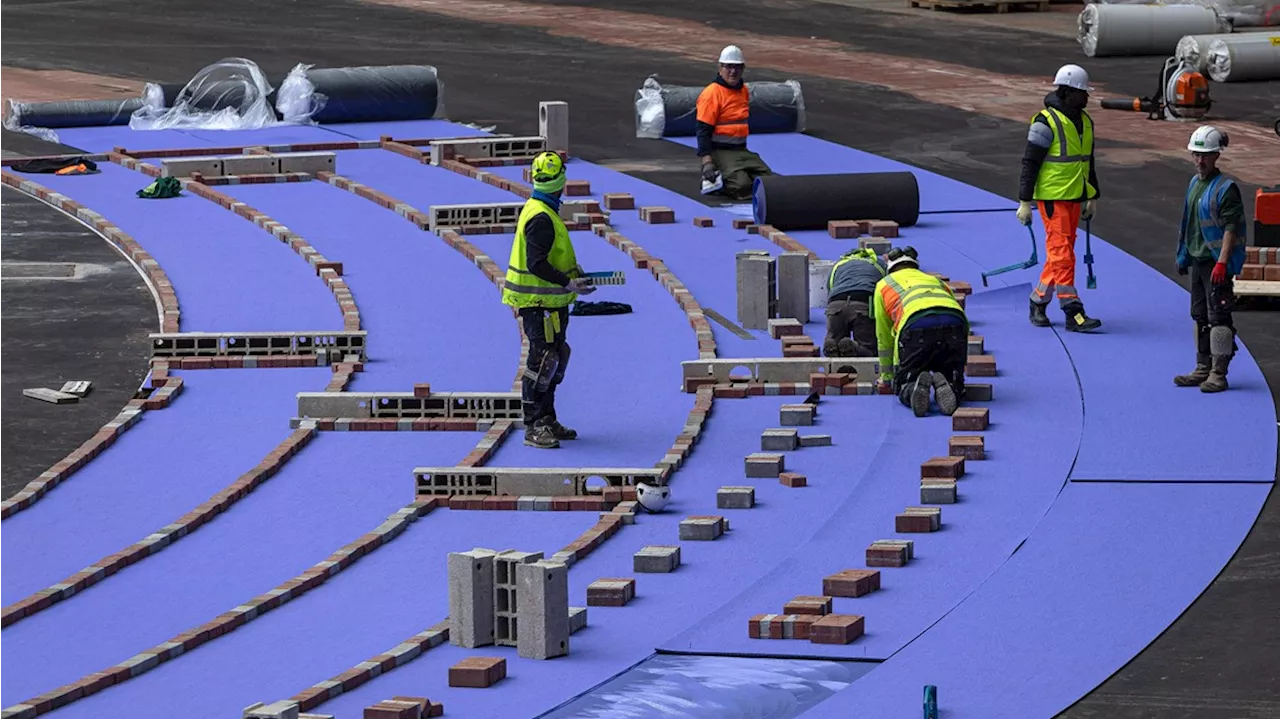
(1217, 659)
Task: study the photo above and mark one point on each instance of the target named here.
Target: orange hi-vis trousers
(1059, 273)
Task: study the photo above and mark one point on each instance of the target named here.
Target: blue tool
(930, 702)
(606, 278)
(1091, 282)
(1035, 260)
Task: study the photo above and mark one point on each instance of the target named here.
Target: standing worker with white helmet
(1058, 174)
(1211, 249)
(722, 129)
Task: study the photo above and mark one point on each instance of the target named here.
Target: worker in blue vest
(543, 280)
(1211, 250)
(850, 286)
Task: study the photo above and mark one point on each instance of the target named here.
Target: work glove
(709, 172)
(1024, 212)
(1090, 208)
(1219, 275)
(581, 286)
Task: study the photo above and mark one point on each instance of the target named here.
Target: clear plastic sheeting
(231, 94)
(385, 93)
(1193, 51)
(1245, 56)
(671, 110)
(1119, 30)
(15, 121)
(1239, 13)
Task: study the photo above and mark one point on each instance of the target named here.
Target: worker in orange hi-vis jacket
(728, 166)
(1058, 175)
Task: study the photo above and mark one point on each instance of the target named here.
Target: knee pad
(847, 347)
(1222, 341)
(542, 368)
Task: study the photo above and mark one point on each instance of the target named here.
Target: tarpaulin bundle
(72, 113)
(809, 202)
(671, 110)
(384, 93)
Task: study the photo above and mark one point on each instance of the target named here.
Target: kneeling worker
(923, 335)
(1211, 248)
(723, 108)
(542, 281)
(853, 280)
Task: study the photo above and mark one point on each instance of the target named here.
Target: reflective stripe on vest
(1065, 172)
(727, 111)
(522, 288)
(928, 293)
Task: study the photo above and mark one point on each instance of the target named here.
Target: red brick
(949, 467)
(741, 223)
(393, 709)
(844, 229)
(980, 366)
(792, 479)
(971, 419)
(703, 222)
(730, 392)
(1271, 273)
(851, 583)
(422, 390)
(836, 629)
(909, 523)
(1252, 272)
(882, 228)
(619, 201)
(880, 555)
(808, 605)
(577, 188)
(969, 446)
(658, 215)
(477, 672)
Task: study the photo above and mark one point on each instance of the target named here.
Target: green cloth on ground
(162, 189)
(739, 168)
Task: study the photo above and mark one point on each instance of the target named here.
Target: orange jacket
(725, 110)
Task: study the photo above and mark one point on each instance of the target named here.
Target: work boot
(944, 394)
(847, 348)
(541, 436)
(1038, 316)
(561, 432)
(920, 394)
(1078, 321)
(830, 348)
(1217, 380)
(1198, 375)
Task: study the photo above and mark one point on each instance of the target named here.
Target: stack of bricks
(949, 467)
(657, 215)
(478, 672)
(807, 618)
(619, 201)
(969, 446)
(785, 327)
(798, 415)
(399, 655)
(509, 502)
(764, 465)
(656, 559)
(736, 497)
(743, 390)
(890, 553)
(404, 708)
(980, 366)
(703, 528)
(1261, 264)
(79, 457)
(970, 419)
(839, 383)
(852, 583)
(799, 346)
(123, 241)
(919, 519)
(611, 592)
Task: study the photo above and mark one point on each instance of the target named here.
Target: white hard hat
(1207, 138)
(732, 55)
(1072, 76)
(902, 260)
(651, 497)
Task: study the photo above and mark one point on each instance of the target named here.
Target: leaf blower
(1182, 95)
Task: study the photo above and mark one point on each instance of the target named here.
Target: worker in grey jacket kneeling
(851, 284)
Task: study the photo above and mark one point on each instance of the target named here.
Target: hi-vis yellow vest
(1065, 172)
(522, 287)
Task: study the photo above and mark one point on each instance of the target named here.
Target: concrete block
(736, 498)
(815, 440)
(471, 598)
(880, 246)
(851, 583)
(978, 392)
(938, 491)
(701, 529)
(785, 327)
(543, 609)
(779, 440)
(611, 592)
(763, 465)
(797, 415)
(311, 162)
(52, 396)
(808, 605)
(478, 672)
(250, 164)
(971, 419)
(284, 709)
(969, 446)
(553, 125)
(756, 287)
(577, 618)
(793, 479)
(185, 166)
(793, 286)
(949, 467)
(836, 628)
(656, 559)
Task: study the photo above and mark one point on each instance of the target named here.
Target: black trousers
(545, 366)
(1211, 304)
(941, 348)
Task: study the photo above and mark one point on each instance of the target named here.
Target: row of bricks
(157, 541)
(164, 394)
(1261, 272)
(488, 178)
(129, 246)
(417, 217)
(403, 708)
(825, 629)
(342, 373)
(402, 424)
(533, 504)
(266, 178)
(249, 149)
(79, 457)
(243, 362)
(488, 445)
(1262, 255)
(786, 389)
(496, 274)
(227, 621)
(783, 240)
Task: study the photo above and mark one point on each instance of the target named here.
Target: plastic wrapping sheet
(1240, 13)
(1243, 57)
(1137, 30)
(231, 94)
(671, 110)
(387, 93)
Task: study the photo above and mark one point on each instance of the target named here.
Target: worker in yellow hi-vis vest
(543, 279)
(1058, 174)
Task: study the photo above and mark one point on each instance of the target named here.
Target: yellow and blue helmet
(548, 173)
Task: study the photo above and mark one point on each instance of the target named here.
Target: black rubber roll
(74, 113)
(376, 94)
(809, 202)
(775, 107)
